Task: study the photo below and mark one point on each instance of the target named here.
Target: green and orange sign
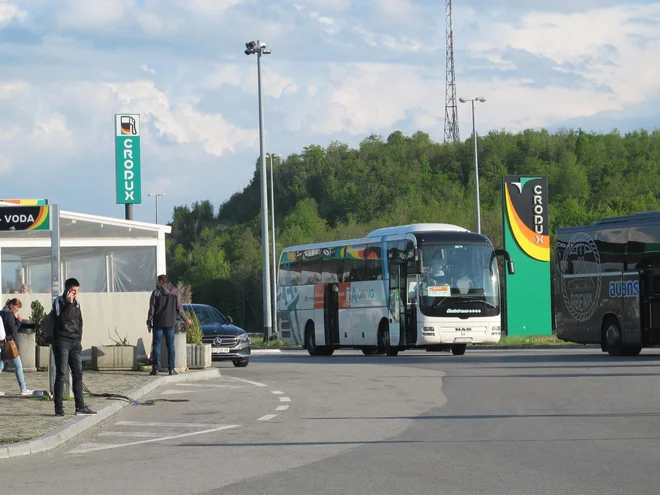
(20, 218)
(527, 239)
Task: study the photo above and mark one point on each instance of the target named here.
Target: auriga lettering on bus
(629, 288)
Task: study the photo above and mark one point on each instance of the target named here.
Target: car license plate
(220, 350)
(462, 339)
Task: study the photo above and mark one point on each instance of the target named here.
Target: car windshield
(455, 273)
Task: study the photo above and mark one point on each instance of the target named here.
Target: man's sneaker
(59, 413)
(153, 373)
(172, 372)
(27, 391)
(2, 393)
(85, 411)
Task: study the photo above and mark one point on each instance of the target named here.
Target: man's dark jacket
(165, 303)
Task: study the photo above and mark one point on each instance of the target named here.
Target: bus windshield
(458, 278)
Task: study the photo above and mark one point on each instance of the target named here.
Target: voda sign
(127, 159)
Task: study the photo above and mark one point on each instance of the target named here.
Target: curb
(274, 350)
(78, 425)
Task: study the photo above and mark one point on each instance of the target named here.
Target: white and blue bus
(433, 286)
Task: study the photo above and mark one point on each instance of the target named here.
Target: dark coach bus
(607, 288)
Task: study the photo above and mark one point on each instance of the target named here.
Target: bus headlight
(428, 330)
(496, 330)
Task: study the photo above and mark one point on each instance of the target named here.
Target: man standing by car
(67, 346)
(165, 303)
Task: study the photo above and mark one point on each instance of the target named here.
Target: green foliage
(340, 192)
(194, 332)
(38, 316)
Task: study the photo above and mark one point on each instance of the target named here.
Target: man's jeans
(18, 366)
(169, 339)
(67, 352)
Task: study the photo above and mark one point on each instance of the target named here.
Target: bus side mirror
(509, 264)
(416, 267)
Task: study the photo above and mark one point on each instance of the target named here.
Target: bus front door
(331, 314)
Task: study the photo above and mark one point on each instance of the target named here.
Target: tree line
(340, 192)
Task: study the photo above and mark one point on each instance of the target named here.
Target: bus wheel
(612, 337)
(384, 340)
(368, 351)
(458, 349)
(632, 351)
(310, 341)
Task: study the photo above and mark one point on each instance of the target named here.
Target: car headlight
(244, 338)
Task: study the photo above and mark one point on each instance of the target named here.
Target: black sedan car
(228, 342)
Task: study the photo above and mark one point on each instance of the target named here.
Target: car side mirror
(231, 320)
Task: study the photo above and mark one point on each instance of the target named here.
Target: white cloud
(90, 15)
(6, 165)
(325, 5)
(213, 6)
(601, 44)
(183, 123)
(9, 12)
(51, 131)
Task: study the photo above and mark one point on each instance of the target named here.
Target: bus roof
(397, 232)
(643, 218)
(417, 227)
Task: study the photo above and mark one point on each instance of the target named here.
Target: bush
(38, 316)
(194, 332)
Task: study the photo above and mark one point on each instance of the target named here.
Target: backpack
(51, 320)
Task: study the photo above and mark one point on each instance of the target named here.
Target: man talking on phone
(67, 347)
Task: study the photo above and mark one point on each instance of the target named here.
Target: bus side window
(332, 270)
(311, 273)
(355, 264)
(374, 263)
(292, 276)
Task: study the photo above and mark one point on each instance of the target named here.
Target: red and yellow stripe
(525, 237)
(41, 218)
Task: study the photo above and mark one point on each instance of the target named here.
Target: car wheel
(242, 363)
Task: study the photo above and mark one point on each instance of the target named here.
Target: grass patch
(258, 342)
(531, 340)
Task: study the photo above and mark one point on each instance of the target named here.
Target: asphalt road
(508, 422)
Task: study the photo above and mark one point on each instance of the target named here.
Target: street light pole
(272, 228)
(260, 48)
(157, 195)
(476, 158)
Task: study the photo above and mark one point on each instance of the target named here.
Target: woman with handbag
(11, 320)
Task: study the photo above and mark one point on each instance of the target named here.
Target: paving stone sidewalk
(24, 418)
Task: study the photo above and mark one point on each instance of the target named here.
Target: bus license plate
(463, 339)
(220, 350)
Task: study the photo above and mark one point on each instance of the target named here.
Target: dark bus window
(355, 264)
(311, 272)
(374, 263)
(290, 273)
(332, 270)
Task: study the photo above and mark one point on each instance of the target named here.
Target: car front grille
(221, 340)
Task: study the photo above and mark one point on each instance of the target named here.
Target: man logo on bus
(580, 276)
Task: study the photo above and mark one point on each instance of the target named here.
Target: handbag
(9, 351)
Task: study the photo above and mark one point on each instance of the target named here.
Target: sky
(340, 70)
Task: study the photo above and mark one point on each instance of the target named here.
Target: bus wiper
(471, 300)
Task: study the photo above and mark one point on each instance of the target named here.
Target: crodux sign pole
(127, 161)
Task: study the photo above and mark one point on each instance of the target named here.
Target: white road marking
(277, 392)
(84, 448)
(247, 381)
(135, 434)
(285, 399)
(171, 425)
(194, 391)
(282, 408)
(207, 385)
(267, 417)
